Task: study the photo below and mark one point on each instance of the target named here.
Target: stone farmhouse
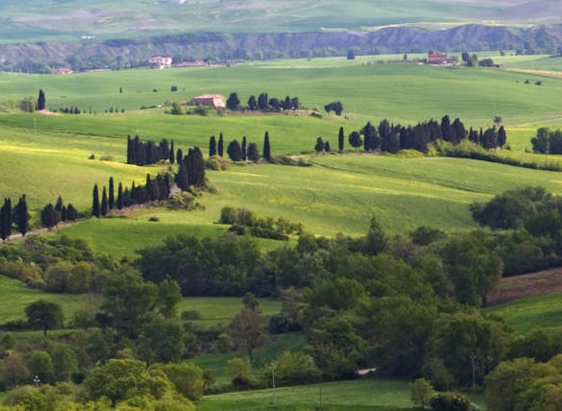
(211, 100)
(159, 62)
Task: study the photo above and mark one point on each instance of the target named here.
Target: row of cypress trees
(51, 214)
(17, 215)
(392, 138)
(155, 189)
(238, 152)
(144, 153)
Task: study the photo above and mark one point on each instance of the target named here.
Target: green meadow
(51, 155)
(531, 312)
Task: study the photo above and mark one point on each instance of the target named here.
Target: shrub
(449, 401)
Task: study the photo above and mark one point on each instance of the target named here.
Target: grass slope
(69, 20)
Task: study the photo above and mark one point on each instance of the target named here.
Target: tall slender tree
(6, 219)
(111, 194)
(120, 197)
(104, 205)
(41, 101)
(22, 215)
(172, 152)
(220, 146)
(244, 148)
(96, 202)
(341, 138)
(266, 147)
(212, 146)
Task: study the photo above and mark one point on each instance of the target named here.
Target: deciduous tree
(45, 315)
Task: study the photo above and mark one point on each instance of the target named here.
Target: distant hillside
(125, 53)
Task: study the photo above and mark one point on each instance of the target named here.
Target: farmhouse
(159, 62)
(438, 58)
(212, 100)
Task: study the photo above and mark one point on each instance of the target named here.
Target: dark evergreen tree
(220, 145)
(446, 132)
(49, 216)
(355, 139)
(341, 138)
(6, 219)
(502, 137)
(384, 133)
(252, 103)
(253, 152)
(22, 215)
(295, 103)
(263, 102)
(274, 104)
(179, 156)
(233, 102)
(319, 146)
(212, 146)
(96, 202)
(41, 101)
(172, 152)
(244, 149)
(71, 213)
(458, 131)
(335, 106)
(327, 147)
(130, 151)
(164, 150)
(266, 147)
(111, 194)
(234, 151)
(182, 177)
(63, 216)
(104, 204)
(59, 205)
(120, 197)
(393, 141)
(196, 168)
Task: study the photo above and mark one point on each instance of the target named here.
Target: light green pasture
(532, 312)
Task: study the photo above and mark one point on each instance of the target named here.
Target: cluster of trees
(393, 138)
(263, 103)
(191, 170)
(144, 153)
(68, 110)
(10, 216)
(154, 190)
(547, 141)
(243, 221)
(52, 215)
(240, 152)
(335, 106)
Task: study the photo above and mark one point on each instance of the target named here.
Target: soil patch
(521, 286)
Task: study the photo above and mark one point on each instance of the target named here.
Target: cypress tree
(197, 171)
(6, 219)
(41, 101)
(172, 152)
(502, 137)
(341, 138)
(220, 147)
(22, 215)
(71, 213)
(104, 205)
(266, 147)
(119, 197)
(253, 153)
(111, 194)
(129, 150)
(96, 202)
(49, 216)
(244, 149)
(59, 205)
(234, 151)
(179, 156)
(63, 213)
(182, 177)
(212, 146)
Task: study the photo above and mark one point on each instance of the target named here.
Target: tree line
(51, 214)
(154, 189)
(547, 141)
(392, 138)
(144, 153)
(240, 152)
(262, 103)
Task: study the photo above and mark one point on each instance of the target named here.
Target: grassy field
(37, 20)
(531, 312)
(15, 296)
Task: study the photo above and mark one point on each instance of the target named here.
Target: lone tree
(96, 202)
(319, 146)
(233, 102)
(21, 216)
(335, 106)
(341, 138)
(266, 147)
(45, 315)
(41, 101)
